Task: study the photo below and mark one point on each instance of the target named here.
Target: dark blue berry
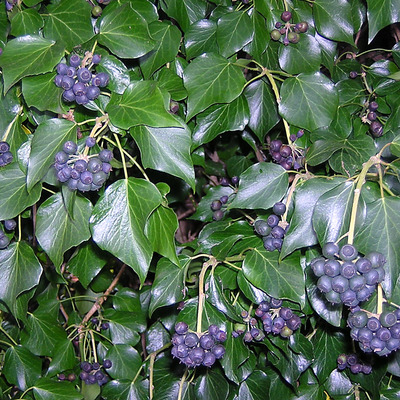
(80, 165)
(96, 58)
(218, 351)
(62, 69)
(58, 80)
(181, 328)
(107, 364)
(106, 155)
(101, 79)
(69, 95)
(92, 92)
(10, 224)
(90, 141)
(70, 147)
(84, 75)
(86, 177)
(279, 208)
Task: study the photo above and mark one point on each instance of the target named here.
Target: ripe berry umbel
(6, 156)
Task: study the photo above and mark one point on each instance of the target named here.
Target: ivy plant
(199, 199)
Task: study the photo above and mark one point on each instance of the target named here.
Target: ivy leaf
(126, 390)
(250, 291)
(14, 197)
(87, 263)
(21, 367)
(42, 333)
(380, 232)
(255, 386)
(141, 104)
(309, 101)
(68, 22)
(334, 21)
(331, 215)
(20, 270)
(10, 108)
(263, 110)
(169, 283)
(304, 56)
(201, 37)
(125, 32)
(261, 186)
(284, 279)
(35, 56)
(212, 385)
(47, 389)
(160, 230)
(221, 118)
(123, 327)
(167, 37)
(26, 22)
(185, 12)
(47, 141)
(56, 231)
(206, 79)
(126, 361)
(166, 149)
(171, 82)
(119, 218)
(116, 69)
(257, 46)
(327, 345)
(64, 358)
(381, 14)
(234, 31)
(306, 195)
(41, 92)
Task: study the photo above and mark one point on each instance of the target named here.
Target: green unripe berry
(96, 11)
(293, 37)
(275, 35)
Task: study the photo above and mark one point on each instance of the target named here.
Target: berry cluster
(79, 84)
(194, 349)
(103, 326)
(290, 32)
(276, 319)
(352, 361)
(70, 377)
(273, 229)
(6, 156)
(81, 172)
(218, 205)
(370, 117)
(91, 372)
(287, 156)
(375, 333)
(9, 225)
(344, 276)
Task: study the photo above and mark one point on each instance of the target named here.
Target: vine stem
(181, 384)
(357, 192)
(9, 337)
(211, 262)
(8, 130)
(122, 155)
(290, 195)
(151, 377)
(380, 300)
(96, 306)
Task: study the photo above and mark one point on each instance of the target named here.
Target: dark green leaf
(201, 37)
(48, 140)
(35, 56)
(166, 385)
(185, 12)
(68, 22)
(64, 358)
(234, 31)
(125, 32)
(46, 389)
(284, 279)
(380, 232)
(10, 108)
(56, 231)
(171, 82)
(332, 212)
(20, 270)
(169, 283)
(125, 360)
(166, 149)
(261, 186)
(212, 385)
(333, 20)
(327, 345)
(21, 367)
(206, 79)
(167, 39)
(304, 56)
(309, 101)
(126, 390)
(381, 14)
(250, 291)
(14, 197)
(87, 263)
(41, 92)
(42, 333)
(301, 232)
(26, 22)
(123, 327)
(263, 110)
(141, 104)
(254, 387)
(260, 40)
(221, 118)
(119, 218)
(119, 74)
